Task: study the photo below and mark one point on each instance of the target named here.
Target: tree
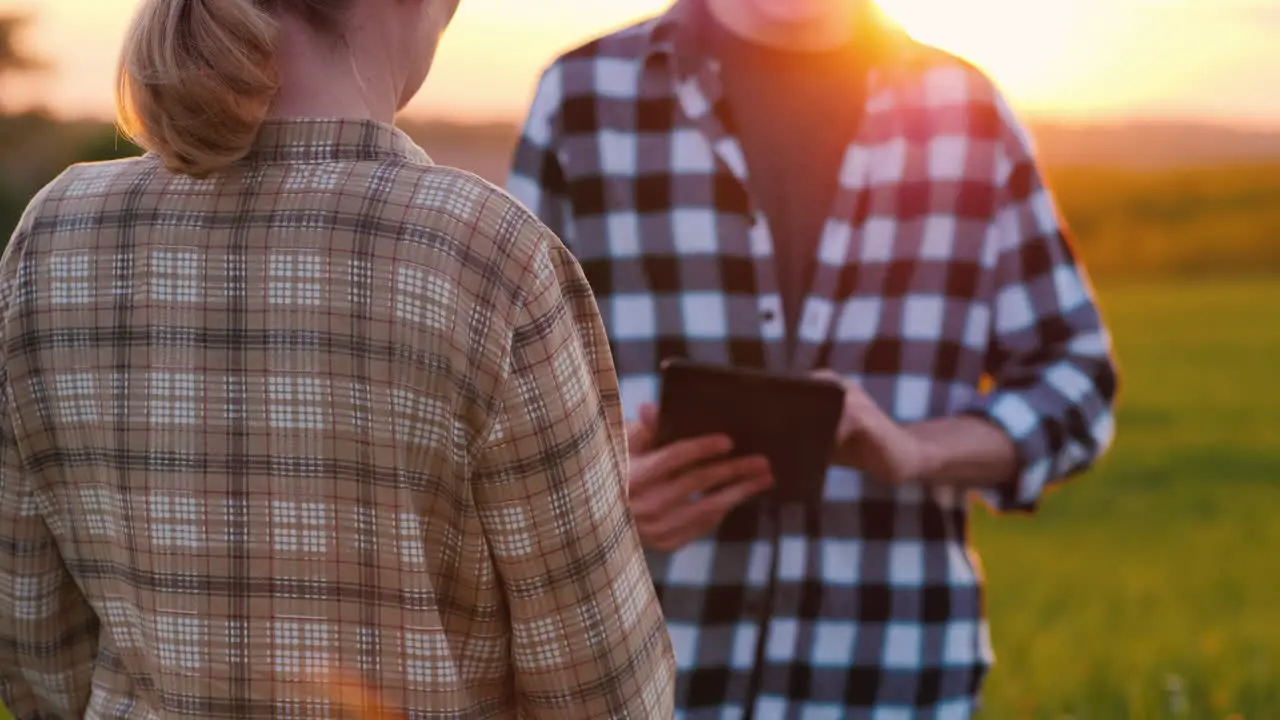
(14, 59)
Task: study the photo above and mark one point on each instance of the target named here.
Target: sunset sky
(1201, 59)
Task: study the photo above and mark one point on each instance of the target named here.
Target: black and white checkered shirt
(943, 261)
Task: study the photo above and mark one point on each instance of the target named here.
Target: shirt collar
(676, 35)
(323, 139)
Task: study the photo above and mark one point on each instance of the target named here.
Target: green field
(1148, 588)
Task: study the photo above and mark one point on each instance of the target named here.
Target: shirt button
(768, 315)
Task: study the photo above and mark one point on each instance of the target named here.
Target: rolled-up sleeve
(1051, 355)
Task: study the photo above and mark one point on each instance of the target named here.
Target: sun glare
(1025, 44)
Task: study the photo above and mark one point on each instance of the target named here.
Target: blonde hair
(197, 77)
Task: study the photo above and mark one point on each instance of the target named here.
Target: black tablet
(791, 420)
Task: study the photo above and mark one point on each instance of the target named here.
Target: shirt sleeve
(588, 636)
(1051, 355)
(48, 632)
(537, 177)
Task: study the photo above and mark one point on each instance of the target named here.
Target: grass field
(1189, 221)
(1148, 588)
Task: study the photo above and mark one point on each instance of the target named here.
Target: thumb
(649, 416)
(640, 436)
(827, 374)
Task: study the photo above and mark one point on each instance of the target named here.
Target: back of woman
(283, 403)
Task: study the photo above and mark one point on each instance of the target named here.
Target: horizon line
(1261, 125)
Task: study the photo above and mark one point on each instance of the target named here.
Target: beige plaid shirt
(334, 411)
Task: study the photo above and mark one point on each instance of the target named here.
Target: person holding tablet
(800, 189)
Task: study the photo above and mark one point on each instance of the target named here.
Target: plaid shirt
(942, 261)
(334, 410)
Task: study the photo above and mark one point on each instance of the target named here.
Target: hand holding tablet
(790, 420)
(682, 490)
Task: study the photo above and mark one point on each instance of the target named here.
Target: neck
(827, 31)
(320, 78)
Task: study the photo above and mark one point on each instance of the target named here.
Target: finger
(649, 416)
(709, 477)
(679, 529)
(721, 501)
(680, 456)
(852, 390)
(640, 438)
(698, 518)
(827, 374)
(663, 500)
(856, 397)
(688, 512)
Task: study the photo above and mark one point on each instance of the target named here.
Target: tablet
(790, 420)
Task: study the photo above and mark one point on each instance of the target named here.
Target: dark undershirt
(795, 114)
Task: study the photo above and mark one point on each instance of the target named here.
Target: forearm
(964, 452)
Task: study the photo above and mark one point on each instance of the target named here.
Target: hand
(871, 441)
(682, 491)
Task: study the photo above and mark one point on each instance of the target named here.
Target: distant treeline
(35, 147)
(1129, 217)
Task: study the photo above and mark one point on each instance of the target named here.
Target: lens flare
(1025, 44)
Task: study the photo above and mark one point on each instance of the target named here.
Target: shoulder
(604, 64)
(92, 182)
(494, 242)
(927, 77)
(630, 43)
(949, 95)
(943, 74)
(79, 191)
(84, 183)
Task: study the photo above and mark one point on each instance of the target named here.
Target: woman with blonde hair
(283, 401)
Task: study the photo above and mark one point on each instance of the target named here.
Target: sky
(1207, 60)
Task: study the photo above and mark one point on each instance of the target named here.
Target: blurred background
(1142, 590)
